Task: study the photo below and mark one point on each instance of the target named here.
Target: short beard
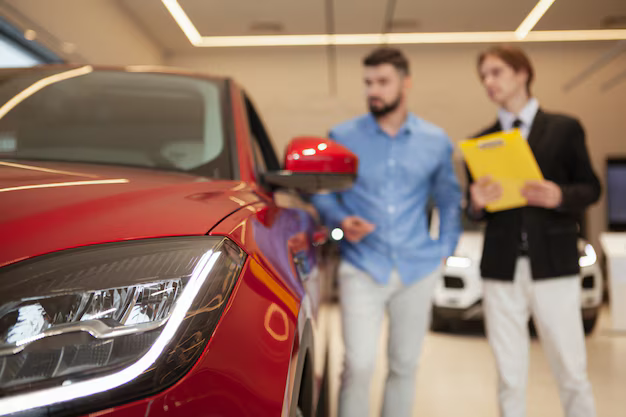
(386, 109)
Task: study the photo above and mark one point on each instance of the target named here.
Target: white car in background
(458, 295)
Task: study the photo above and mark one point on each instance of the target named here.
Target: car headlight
(109, 323)
(458, 262)
(588, 257)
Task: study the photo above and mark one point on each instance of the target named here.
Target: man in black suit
(530, 257)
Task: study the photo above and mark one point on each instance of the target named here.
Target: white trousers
(555, 308)
(363, 306)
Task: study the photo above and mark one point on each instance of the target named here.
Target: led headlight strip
(197, 287)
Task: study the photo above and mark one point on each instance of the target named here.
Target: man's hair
(513, 57)
(391, 56)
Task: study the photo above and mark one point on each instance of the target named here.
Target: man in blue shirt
(390, 263)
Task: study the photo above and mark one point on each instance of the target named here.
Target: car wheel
(438, 323)
(590, 324)
(532, 329)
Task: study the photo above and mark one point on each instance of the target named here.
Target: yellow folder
(508, 159)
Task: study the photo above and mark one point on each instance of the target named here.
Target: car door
(291, 224)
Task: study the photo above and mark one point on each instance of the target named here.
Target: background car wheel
(590, 324)
(532, 329)
(438, 323)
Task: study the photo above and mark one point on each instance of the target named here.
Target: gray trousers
(363, 306)
(555, 307)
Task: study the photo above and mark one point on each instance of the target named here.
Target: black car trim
(304, 369)
(229, 133)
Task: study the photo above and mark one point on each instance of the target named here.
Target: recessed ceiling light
(183, 21)
(198, 40)
(410, 38)
(533, 18)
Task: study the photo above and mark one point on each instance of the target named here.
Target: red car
(145, 266)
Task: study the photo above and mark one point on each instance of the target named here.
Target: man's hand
(543, 193)
(484, 191)
(355, 228)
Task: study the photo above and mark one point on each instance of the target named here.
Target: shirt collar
(410, 125)
(527, 115)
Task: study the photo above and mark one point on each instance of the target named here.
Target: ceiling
(238, 17)
(69, 21)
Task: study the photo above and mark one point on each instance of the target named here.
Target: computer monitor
(616, 193)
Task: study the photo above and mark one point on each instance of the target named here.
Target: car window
(264, 155)
(259, 160)
(114, 117)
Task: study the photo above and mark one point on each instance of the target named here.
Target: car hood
(46, 207)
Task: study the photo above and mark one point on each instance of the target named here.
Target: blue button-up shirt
(397, 178)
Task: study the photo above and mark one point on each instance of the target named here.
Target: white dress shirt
(526, 116)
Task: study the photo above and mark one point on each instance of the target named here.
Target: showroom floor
(457, 375)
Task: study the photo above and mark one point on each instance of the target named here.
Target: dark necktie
(517, 124)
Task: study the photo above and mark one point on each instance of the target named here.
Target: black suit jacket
(558, 143)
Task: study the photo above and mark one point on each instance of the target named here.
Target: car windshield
(147, 120)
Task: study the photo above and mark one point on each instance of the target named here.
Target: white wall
(103, 32)
(290, 86)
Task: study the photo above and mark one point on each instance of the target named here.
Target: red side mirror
(315, 164)
(317, 155)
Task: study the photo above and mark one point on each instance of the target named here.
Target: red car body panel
(42, 220)
(244, 369)
(245, 365)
